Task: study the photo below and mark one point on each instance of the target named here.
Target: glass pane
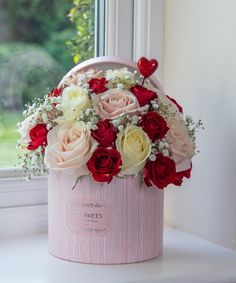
(39, 42)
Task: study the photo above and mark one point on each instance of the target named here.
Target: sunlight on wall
(200, 72)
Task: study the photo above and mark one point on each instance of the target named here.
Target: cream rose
(114, 102)
(74, 99)
(70, 147)
(181, 145)
(134, 147)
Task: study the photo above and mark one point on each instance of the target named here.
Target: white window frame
(133, 28)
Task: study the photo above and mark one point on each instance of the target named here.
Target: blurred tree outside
(82, 44)
(39, 42)
(42, 22)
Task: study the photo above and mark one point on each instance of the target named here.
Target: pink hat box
(97, 223)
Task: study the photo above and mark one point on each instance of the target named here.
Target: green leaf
(76, 58)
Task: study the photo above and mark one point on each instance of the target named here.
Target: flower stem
(143, 80)
(76, 182)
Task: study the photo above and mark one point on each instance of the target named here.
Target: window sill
(186, 258)
(18, 192)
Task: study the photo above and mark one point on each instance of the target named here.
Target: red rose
(38, 136)
(55, 92)
(175, 102)
(143, 94)
(98, 85)
(180, 175)
(104, 164)
(154, 125)
(160, 172)
(105, 134)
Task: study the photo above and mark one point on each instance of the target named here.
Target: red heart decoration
(147, 67)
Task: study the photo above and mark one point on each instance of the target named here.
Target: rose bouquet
(109, 124)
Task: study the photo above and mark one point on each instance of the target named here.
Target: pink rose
(114, 102)
(181, 145)
(69, 148)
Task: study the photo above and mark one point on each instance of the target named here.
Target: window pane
(39, 42)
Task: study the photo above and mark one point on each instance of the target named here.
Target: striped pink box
(104, 224)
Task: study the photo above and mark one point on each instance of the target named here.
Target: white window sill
(186, 258)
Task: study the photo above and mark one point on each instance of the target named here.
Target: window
(126, 28)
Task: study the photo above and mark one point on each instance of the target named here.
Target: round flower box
(112, 141)
(120, 222)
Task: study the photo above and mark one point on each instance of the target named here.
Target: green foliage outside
(44, 23)
(26, 71)
(53, 23)
(8, 138)
(82, 14)
(47, 39)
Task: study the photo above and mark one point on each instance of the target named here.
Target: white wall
(200, 72)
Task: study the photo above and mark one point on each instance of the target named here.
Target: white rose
(81, 77)
(26, 126)
(74, 99)
(70, 146)
(181, 145)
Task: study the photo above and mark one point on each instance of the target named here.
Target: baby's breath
(32, 163)
(193, 127)
(160, 146)
(164, 110)
(121, 79)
